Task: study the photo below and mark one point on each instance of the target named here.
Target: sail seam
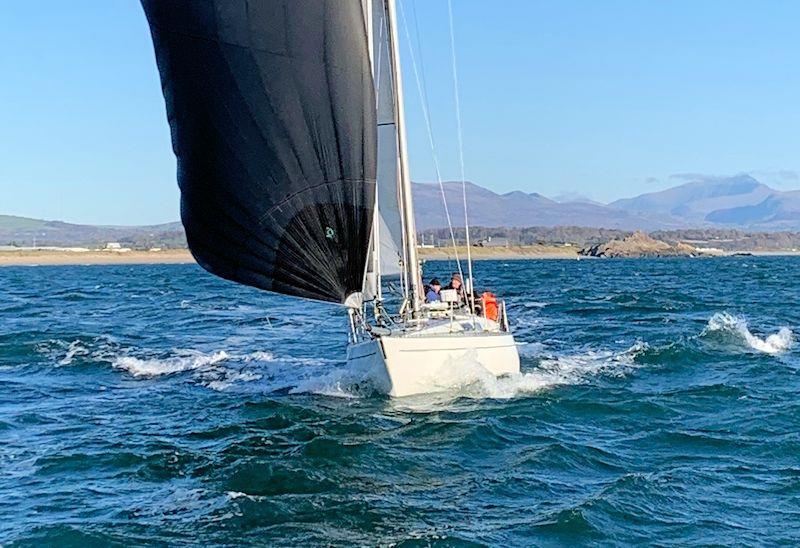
(249, 47)
(289, 198)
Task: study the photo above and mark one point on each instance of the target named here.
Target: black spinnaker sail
(272, 109)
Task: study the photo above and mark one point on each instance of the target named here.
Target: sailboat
(288, 127)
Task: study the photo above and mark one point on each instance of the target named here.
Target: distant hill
(22, 231)
(778, 210)
(739, 202)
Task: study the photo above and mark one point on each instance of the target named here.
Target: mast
(406, 199)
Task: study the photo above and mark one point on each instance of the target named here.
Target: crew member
(432, 294)
(457, 284)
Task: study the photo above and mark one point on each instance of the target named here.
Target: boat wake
(342, 382)
(473, 381)
(465, 377)
(735, 327)
(461, 378)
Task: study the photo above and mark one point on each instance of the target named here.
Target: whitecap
(166, 366)
(776, 343)
(534, 304)
(233, 495)
(221, 370)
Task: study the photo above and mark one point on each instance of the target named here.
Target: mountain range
(739, 202)
(719, 202)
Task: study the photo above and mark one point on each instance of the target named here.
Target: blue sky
(608, 99)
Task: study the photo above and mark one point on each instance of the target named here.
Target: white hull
(426, 361)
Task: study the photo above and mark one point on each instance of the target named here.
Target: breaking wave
(736, 326)
(220, 370)
(217, 371)
(464, 377)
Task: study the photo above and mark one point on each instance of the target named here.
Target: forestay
(273, 118)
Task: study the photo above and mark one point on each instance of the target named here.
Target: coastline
(501, 253)
(50, 257)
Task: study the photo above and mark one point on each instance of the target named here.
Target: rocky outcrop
(639, 244)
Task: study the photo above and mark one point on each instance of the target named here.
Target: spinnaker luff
(273, 116)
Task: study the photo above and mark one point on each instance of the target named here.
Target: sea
(659, 403)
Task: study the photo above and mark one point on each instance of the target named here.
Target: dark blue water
(659, 402)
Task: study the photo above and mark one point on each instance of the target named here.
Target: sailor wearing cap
(456, 283)
(432, 293)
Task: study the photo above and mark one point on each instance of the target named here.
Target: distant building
(116, 248)
(424, 245)
(494, 241)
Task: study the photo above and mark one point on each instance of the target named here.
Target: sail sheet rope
(431, 140)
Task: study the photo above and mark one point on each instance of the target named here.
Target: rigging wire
(420, 53)
(431, 141)
(471, 284)
(422, 72)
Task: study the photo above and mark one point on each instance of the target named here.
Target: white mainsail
(390, 224)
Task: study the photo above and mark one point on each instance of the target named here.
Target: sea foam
(75, 349)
